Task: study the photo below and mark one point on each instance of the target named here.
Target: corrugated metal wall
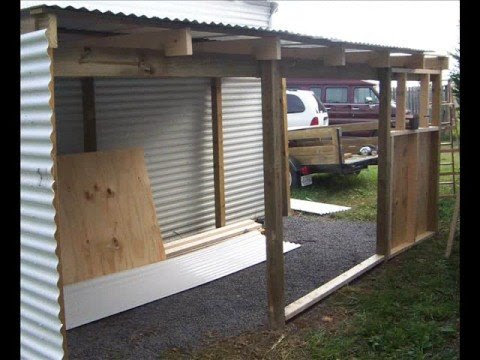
(243, 148)
(68, 109)
(249, 13)
(171, 119)
(40, 336)
(168, 118)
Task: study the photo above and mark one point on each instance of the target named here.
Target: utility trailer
(330, 149)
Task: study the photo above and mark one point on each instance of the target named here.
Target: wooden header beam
(177, 42)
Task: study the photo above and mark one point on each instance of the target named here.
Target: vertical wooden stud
(272, 165)
(435, 153)
(218, 167)
(424, 90)
(401, 101)
(286, 210)
(89, 118)
(385, 143)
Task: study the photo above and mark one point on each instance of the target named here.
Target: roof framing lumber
(266, 48)
(372, 58)
(176, 42)
(116, 62)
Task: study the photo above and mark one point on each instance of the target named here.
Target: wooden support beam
(117, 62)
(401, 101)
(385, 142)
(372, 58)
(335, 57)
(424, 97)
(174, 42)
(285, 162)
(89, 117)
(435, 150)
(267, 48)
(218, 168)
(437, 63)
(313, 69)
(36, 21)
(272, 164)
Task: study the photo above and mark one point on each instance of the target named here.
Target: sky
(429, 25)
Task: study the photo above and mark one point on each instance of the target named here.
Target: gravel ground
(230, 305)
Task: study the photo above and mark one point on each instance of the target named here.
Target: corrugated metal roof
(231, 29)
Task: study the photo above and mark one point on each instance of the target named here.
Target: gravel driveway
(232, 304)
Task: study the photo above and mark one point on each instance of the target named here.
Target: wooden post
(423, 110)
(384, 191)
(272, 170)
(89, 120)
(218, 169)
(435, 153)
(285, 164)
(401, 101)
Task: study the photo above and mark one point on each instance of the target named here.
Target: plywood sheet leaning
(107, 218)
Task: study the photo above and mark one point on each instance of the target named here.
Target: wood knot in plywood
(110, 192)
(96, 187)
(116, 243)
(88, 195)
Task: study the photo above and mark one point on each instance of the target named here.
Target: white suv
(305, 110)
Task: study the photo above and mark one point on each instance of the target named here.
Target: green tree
(455, 74)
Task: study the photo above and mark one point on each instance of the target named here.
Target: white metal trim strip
(107, 295)
(316, 207)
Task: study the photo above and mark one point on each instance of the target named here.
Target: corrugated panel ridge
(40, 324)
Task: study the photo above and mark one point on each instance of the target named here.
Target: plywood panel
(404, 194)
(107, 219)
(424, 174)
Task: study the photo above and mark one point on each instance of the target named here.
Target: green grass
(357, 191)
(407, 308)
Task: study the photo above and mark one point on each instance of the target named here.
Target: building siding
(40, 323)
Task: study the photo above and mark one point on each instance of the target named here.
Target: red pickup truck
(346, 101)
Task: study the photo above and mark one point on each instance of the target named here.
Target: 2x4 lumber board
(187, 246)
(326, 289)
(437, 63)
(372, 58)
(385, 141)
(239, 226)
(107, 220)
(360, 126)
(119, 62)
(413, 74)
(286, 210)
(336, 57)
(435, 149)
(414, 61)
(336, 142)
(49, 22)
(297, 68)
(312, 133)
(271, 84)
(218, 163)
(416, 131)
(401, 101)
(266, 48)
(174, 42)
(89, 117)
(453, 226)
(424, 100)
(436, 99)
